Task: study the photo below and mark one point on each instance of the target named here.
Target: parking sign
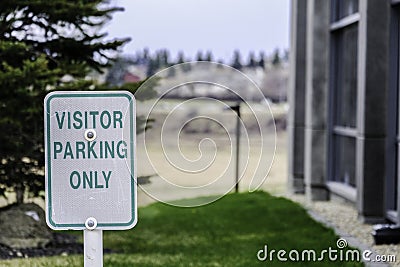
(90, 152)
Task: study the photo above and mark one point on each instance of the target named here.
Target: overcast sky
(191, 25)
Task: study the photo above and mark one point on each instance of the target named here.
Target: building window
(346, 76)
(346, 156)
(343, 87)
(343, 8)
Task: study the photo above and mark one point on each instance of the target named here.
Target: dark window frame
(335, 131)
(337, 9)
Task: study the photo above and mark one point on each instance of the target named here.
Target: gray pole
(238, 117)
(92, 244)
(93, 248)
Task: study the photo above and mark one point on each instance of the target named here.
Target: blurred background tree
(117, 71)
(276, 58)
(236, 63)
(252, 62)
(44, 46)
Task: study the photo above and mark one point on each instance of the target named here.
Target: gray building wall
(373, 47)
(296, 96)
(317, 85)
(311, 102)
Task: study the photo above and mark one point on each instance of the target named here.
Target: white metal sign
(90, 140)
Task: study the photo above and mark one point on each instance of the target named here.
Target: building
(344, 130)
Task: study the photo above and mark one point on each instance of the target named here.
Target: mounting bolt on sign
(90, 165)
(90, 134)
(91, 223)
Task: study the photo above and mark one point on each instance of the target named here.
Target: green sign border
(133, 135)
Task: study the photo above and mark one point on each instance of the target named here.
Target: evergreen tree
(152, 67)
(199, 56)
(181, 58)
(276, 59)
(286, 55)
(261, 62)
(164, 58)
(41, 42)
(209, 56)
(237, 60)
(118, 69)
(158, 60)
(252, 62)
(146, 56)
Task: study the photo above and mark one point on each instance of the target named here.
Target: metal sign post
(90, 171)
(92, 244)
(236, 109)
(93, 248)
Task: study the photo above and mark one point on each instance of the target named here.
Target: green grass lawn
(228, 232)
